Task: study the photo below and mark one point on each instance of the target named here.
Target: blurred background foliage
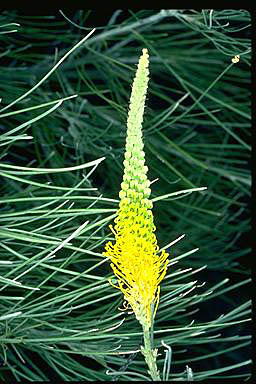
(197, 134)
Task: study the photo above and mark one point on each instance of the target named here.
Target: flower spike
(133, 256)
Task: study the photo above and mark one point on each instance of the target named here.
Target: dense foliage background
(63, 126)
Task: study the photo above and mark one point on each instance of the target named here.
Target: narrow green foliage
(64, 91)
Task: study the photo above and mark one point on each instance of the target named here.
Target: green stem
(150, 355)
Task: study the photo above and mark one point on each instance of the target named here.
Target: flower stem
(150, 355)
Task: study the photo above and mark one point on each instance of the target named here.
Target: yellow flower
(235, 59)
(133, 256)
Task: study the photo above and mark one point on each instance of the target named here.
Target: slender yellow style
(133, 256)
